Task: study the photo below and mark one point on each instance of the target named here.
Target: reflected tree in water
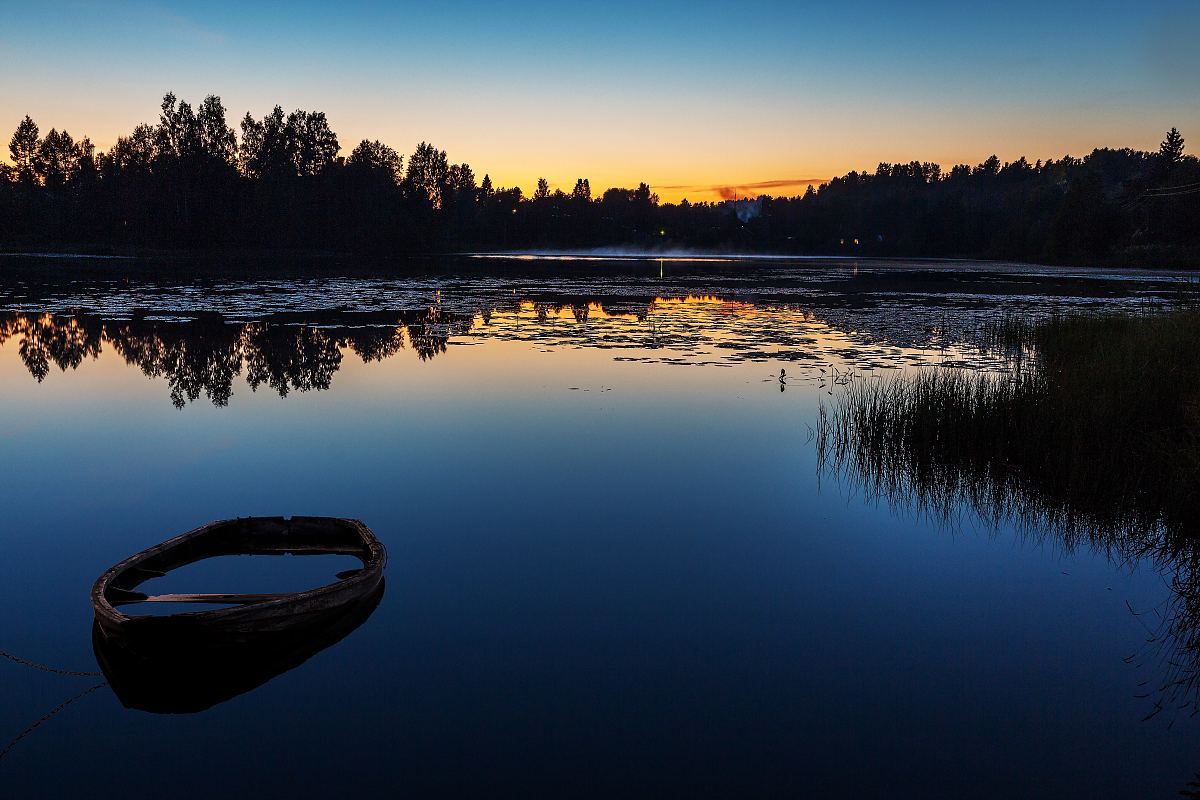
(204, 355)
(377, 344)
(429, 334)
(287, 357)
(200, 357)
(45, 340)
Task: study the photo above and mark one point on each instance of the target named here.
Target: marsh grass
(1091, 437)
(1095, 429)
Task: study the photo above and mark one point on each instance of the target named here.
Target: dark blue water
(613, 566)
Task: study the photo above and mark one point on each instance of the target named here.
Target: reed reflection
(1091, 440)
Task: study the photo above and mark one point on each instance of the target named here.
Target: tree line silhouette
(191, 182)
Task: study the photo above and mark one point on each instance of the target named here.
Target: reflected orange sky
(594, 344)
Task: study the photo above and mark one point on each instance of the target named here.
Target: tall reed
(1092, 437)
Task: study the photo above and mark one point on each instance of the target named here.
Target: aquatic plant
(1096, 427)
(1091, 438)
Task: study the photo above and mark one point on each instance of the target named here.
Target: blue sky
(677, 94)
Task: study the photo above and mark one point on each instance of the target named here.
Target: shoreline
(81, 255)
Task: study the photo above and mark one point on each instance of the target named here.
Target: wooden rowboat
(187, 662)
(248, 615)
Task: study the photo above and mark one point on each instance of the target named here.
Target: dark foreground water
(614, 566)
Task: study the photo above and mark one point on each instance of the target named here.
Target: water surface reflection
(642, 588)
(202, 354)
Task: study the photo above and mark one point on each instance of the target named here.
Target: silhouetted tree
(264, 149)
(57, 159)
(23, 148)
(377, 159)
(311, 144)
(990, 166)
(460, 179)
(178, 131)
(217, 140)
(133, 153)
(427, 173)
(188, 180)
(1171, 149)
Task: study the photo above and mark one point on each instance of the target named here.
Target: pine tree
(23, 147)
(1171, 149)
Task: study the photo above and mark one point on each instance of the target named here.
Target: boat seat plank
(145, 573)
(237, 599)
(284, 548)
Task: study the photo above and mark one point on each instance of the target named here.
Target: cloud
(727, 191)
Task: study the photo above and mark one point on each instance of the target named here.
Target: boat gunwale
(370, 574)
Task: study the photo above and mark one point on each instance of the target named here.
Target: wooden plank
(286, 548)
(235, 599)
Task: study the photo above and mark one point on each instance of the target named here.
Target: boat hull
(253, 616)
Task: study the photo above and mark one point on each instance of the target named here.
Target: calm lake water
(614, 566)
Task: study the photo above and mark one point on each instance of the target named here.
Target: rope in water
(46, 668)
(49, 716)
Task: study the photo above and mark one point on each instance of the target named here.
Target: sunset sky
(689, 97)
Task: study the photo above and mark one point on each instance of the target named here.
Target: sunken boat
(184, 662)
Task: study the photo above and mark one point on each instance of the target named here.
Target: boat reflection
(171, 672)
